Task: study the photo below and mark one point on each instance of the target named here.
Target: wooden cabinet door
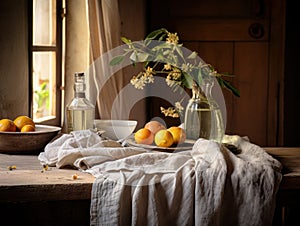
(241, 37)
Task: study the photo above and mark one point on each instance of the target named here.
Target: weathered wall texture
(13, 59)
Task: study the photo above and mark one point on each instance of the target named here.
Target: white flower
(187, 67)
(179, 107)
(167, 67)
(172, 38)
(170, 111)
(143, 78)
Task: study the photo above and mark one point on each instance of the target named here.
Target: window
(46, 60)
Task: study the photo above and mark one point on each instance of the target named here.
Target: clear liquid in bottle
(80, 119)
(205, 123)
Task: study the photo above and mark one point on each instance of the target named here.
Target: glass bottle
(80, 112)
(203, 117)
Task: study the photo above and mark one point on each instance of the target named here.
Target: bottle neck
(79, 85)
(79, 95)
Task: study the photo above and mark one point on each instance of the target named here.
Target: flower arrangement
(162, 54)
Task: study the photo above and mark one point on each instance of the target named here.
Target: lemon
(178, 133)
(28, 128)
(23, 120)
(164, 138)
(143, 136)
(7, 125)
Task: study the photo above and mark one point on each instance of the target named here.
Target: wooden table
(30, 183)
(289, 190)
(30, 195)
(288, 196)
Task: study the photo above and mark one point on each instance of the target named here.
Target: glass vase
(203, 117)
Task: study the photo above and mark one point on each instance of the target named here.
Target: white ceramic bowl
(27, 142)
(115, 129)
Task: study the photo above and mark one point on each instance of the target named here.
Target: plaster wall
(14, 82)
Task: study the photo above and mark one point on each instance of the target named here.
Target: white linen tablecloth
(207, 185)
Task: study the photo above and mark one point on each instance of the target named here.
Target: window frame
(59, 65)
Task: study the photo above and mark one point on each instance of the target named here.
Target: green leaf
(156, 33)
(226, 74)
(142, 57)
(43, 86)
(159, 58)
(148, 42)
(199, 76)
(162, 37)
(220, 81)
(139, 57)
(162, 46)
(166, 52)
(116, 60)
(126, 40)
(179, 51)
(133, 57)
(188, 80)
(193, 55)
(226, 84)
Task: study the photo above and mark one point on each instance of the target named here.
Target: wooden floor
(34, 196)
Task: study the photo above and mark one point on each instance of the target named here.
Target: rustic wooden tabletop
(23, 178)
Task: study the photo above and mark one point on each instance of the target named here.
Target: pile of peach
(155, 132)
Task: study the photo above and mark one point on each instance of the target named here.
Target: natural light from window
(44, 59)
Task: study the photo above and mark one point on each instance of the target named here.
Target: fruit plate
(187, 145)
(27, 142)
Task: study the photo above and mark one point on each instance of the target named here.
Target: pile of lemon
(19, 124)
(156, 132)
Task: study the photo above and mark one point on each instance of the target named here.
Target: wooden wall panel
(240, 37)
(217, 8)
(218, 29)
(250, 110)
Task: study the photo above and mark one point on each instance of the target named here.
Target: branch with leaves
(162, 54)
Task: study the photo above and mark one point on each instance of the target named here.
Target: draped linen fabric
(105, 34)
(206, 185)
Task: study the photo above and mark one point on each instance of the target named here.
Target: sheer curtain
(104, 83)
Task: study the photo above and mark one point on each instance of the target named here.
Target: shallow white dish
(115, 129)
(27, 142)
(187, 145)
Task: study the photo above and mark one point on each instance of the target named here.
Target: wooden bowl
(27, 142)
